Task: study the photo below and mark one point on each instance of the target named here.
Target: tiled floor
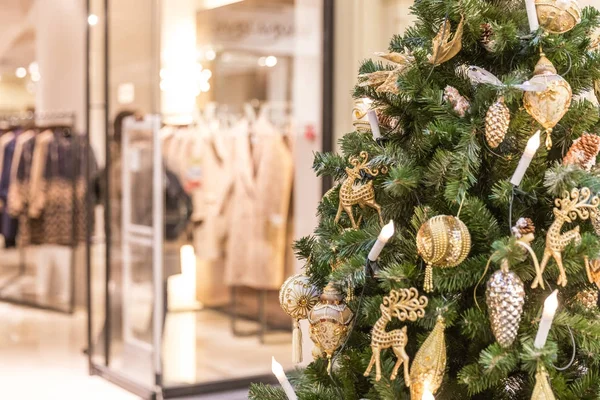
(41, 356)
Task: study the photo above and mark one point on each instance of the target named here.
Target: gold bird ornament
(444, 48)
(577, 204)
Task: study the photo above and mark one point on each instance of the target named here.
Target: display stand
(45, 120)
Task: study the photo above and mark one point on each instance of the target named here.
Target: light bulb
(532, 144)
(427, 395)
(551, 303)
(387, 232)
(276, 368)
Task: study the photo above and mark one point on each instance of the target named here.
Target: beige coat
(261, 198)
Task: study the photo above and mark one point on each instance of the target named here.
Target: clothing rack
(51, 120)
(189, 120)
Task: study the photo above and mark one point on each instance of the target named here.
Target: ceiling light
(205, 87)
(208, 4)
(34, 68)
(21, 72)
(93, 19)
(271, 61)
(206, 74)
(35, 77)
(262, 61)
(210, 54)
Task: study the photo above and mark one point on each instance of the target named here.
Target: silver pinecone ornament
(505, 296)
(497, 120)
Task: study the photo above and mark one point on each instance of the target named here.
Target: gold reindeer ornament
(361, 194)
(571, 206)
(404, 304)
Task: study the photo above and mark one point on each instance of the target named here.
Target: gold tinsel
(429, 365)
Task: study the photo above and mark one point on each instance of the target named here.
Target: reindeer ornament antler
(571, 206)
(404, 304)
(361, 194)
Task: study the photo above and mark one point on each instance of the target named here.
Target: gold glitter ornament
(548, 106)
(542, 389)
(404, 304)
(443, 241)
(429, 364)
(592, 269)
(558, 16)
(497, 120)
(329, 321)
(505, 297)
(445, 49)
(588, 298)
(577, 204)
(361, 194)
(297, 297)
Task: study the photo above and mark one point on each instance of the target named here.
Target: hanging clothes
(261, 197)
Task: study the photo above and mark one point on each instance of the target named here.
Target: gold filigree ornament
(353, 192)
(542, 389)
(443, 48)
(548, 106)
(329, 321)
(443, 241)
(558, 16)
(578, 204)
(429, 365)
(404, 304)
(297, 297)
(359, 115)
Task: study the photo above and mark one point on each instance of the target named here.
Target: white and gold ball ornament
(443, 241)
(297, 297)
(558, 16)
(548, 106)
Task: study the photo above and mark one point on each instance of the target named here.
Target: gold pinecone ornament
(583, 151)
(497, 121)
(505, 296)
(429, 365)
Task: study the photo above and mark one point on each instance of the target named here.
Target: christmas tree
(476, 200)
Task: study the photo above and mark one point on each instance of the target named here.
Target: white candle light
(550, 306)
(427, 395)
(386, 233)
(283, 380)
(532, 15)
(374, 122)
(532, 145)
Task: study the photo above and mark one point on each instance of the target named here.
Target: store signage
(261, 29)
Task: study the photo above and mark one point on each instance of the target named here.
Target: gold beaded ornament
(404, 304)
(443, 241)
